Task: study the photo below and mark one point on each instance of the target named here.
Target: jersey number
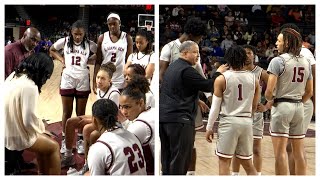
(298, 74)
(133, 166)
(113, 57)
(77, 61)
(240, 92)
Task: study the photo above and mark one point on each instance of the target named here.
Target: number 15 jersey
(239, 93)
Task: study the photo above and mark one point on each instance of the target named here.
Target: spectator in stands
(241, 20)
(226, 43)
(295, 14)
(312, 37)
(229, 19)
(256, 8)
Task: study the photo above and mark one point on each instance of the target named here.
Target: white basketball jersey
(115, 52)
(173, 47)
(239, 93)
(257, 71)
(76, 59)
(292, 82)
(142, 59)
(112, 94)
(127, 153)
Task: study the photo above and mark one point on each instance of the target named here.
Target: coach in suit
(178, 107)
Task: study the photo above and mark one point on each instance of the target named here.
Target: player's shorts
(308, 112)
(257, 126)
(75, 85)
(198, 124)
(235, 137)
(287, 120)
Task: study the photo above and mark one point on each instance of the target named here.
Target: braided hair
(137, 88)
(77, 25)
(292, 41)
(106, 111)
(38, 67)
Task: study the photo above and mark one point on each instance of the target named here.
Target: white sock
(63, 134)
(191, 173)
(80, 136)
(68, 152)
(259, 173)
(235, 173)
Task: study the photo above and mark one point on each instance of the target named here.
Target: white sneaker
(63, 148)
(72, 172)
(80, 146)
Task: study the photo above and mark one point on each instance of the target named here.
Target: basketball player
(194, 29)
(236, 96)
(133, 107)
(113, 46)
(137, 69)
(258, 123)
(23, 130)
(144, 55)
(117, 151)
(309, 105)
(290, 74)
(75, 75)
(105, 90)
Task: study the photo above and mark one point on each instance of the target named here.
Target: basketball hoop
(149, 27)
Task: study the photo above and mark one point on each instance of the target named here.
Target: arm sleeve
(99, 158)
(214, 111)
(28, 110)
(276, 66)
(192, 79)
(165, 54)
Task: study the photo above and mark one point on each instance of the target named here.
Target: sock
(259, 173)
(68, 153)
(235, 173)
(63, 134)
(80, 136)
(191, 173)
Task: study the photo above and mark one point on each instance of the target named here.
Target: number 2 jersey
(115, 52)
(76, 59)
(118, 152)
(238, 95)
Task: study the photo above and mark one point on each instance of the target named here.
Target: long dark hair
(292, 41)
(138, 69)
(106, 111)
(78, 24)
(38, 67)
(148, 36)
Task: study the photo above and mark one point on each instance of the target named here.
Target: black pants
(177, 141)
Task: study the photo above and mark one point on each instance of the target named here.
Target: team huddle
(118, 138)
(236, 104)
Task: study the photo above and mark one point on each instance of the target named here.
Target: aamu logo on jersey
(77, 51)
(114, 48)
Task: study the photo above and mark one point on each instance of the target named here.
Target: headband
(113, 15)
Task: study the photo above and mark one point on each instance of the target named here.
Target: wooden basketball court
(50, 108)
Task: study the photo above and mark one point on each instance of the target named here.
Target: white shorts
(75, 85)
(308, 112)
(287, 120)
(258, 125)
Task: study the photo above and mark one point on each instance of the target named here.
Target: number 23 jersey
(118, 152)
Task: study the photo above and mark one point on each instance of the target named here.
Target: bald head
(31, 38)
